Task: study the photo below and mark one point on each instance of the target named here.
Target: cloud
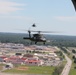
(15, 17)
(8, 7)
(66, 18)
(19, 18)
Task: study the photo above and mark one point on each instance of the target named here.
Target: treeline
(58, 70)
(74, 61)
(63, 49)
(62, 41)
(56, 40)
(13, 38)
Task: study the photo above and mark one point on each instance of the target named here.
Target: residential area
(33, 55)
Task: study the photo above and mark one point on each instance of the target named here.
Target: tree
(73, 51)
(75, 60)
(73, 57)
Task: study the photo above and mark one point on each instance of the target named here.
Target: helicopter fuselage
(36, 38)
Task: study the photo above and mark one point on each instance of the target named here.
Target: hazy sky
(49, 15)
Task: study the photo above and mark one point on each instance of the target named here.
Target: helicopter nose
(48, 41)
(43, 39)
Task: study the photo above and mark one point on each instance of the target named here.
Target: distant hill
(58, 40)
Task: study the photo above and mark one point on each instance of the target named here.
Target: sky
(49, 15)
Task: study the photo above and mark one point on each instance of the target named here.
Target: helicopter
(74, 3)
(37, 37)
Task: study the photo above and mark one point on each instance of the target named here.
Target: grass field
(48, 70)
(1, 66)
(72, 70)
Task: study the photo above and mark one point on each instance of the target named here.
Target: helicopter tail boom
(26, 38)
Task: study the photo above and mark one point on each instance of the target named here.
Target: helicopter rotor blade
(45, 31)
(74, 3)
(40, 31)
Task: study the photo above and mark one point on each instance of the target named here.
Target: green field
(73, 71)
(48, 70)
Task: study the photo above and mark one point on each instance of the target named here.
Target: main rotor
(37, 37)
(39, 31)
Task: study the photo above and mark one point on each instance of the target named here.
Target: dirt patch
(22, 68)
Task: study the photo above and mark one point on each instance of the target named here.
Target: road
(67, 67)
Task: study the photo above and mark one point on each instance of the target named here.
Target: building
(34, 62)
